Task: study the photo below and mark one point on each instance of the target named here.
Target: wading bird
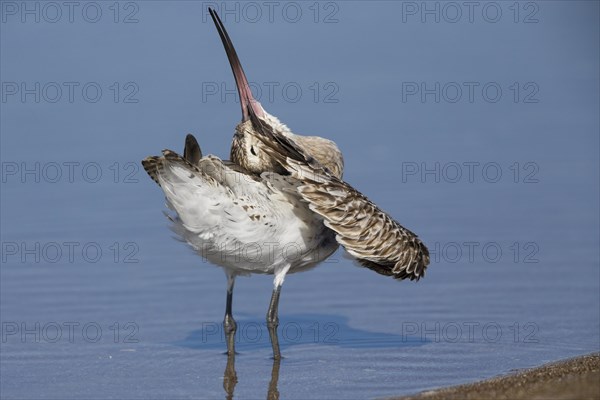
(278, 206)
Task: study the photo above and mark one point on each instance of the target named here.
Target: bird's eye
(252, 150)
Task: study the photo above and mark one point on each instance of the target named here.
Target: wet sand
(577, 378)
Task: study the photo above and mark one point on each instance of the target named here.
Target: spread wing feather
(367, 233)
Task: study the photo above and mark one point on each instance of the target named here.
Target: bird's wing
(367, 233)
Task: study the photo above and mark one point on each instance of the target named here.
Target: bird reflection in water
(230, 378)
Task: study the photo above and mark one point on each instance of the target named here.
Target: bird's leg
(273, 321)
(272, 318)
(229, 325)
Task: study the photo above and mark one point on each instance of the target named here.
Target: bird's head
(247, 147)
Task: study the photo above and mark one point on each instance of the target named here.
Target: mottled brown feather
(370, 235)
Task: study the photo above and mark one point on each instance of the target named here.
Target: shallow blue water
(99, 301)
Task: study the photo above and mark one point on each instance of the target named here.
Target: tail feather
(153, 165)
(191, 151)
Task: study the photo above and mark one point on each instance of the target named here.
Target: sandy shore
(577, 378)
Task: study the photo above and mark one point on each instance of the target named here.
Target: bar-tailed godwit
(278, 206)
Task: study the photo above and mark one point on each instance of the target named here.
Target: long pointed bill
(247, 101)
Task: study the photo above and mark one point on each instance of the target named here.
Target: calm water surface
(99, 301)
